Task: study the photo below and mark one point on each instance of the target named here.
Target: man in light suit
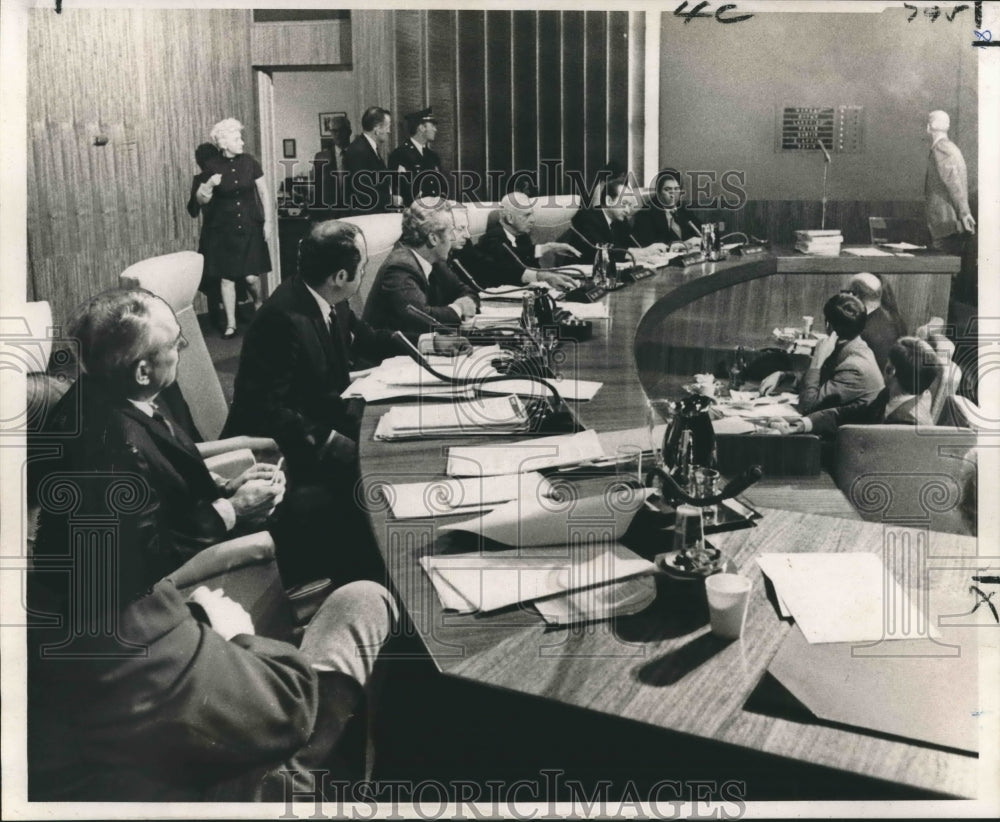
(416, 273)
(946, 188)
(910, 370)
(368, 182)
(842, 368)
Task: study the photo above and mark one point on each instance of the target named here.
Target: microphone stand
(826, 164)
(673, 492)
(552, 416)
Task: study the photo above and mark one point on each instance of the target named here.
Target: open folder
(488, 415)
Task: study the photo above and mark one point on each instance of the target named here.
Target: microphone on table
(412, 310)
(613, 248)
(546, 415)
(472, 281)
(672, 491)
(573, 228)
(445, 342)
(559, 268)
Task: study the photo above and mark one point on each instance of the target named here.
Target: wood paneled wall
(513, 89)
(153, 82)
(301, 43)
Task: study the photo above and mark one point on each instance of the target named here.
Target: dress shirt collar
(424, 265)
(417, 146)
(511, 237)
(324, 307)
(148, 407)
(607, 217)
(898, 400)
(371, 142)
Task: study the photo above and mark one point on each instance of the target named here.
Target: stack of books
(822, 243)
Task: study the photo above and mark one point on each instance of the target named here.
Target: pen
(277, 471)
(987, 580)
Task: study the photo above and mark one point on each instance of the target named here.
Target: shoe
(229, 333)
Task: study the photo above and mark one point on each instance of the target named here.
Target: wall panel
(596, 93)
(312, 43)
(574, 127)
(471, 47)
(550, 112)
(499, 107)
(139, 79)
(525, 82)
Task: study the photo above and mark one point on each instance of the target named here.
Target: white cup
(728, 598)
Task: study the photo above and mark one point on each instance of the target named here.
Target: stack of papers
(819, 242)
(780, 405)
(488, 415)
(470, 583)
(849, 597)
(399, 377)
(867, 251)
(524, 455)
(448, 497)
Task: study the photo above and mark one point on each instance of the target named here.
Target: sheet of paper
(473, 417)
(615, 599)
(524, 455)
(588, 311)
(903, 246)
(486, 582)
(447, 496)
(839, 597)
(733, 425)
(537, 520)
(575, 390)
(867, 251)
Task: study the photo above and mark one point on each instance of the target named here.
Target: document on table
(867, 251)
(841, 597)
(485, 415)
(533, 520)
(616, 599)
(524, 455)
(903, 247)
(447, 497)
(484, 582)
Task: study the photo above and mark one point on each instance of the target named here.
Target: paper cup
(728, 598)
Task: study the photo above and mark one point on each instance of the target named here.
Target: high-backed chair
(381, 233)
(175, 278)
(905, 474)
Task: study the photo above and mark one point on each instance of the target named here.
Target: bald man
(505, 254)
(882, 327)
(946, 188)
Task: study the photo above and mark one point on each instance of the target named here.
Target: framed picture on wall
(327, 120)
(288, 149)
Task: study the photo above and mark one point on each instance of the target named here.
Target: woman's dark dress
(233, 233)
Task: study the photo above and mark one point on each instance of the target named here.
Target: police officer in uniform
(417, 165)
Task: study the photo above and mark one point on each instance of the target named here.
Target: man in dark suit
(842, 368)
(416, 273)
(368, 182)
(417, 165)
(665, 220)
(298, 355)
(112, 422)
(609, 224)
(506, 255)
(882, 328)
(329, 167)
(130, 695)
(911, 368)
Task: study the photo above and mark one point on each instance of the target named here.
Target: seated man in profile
(416, 274)
(842, 368)
(609, 224)
(113, 421)
(911, 369)
(506, 256)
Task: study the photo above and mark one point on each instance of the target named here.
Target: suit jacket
(492, 260)
(400, 282)
(152, 483)
(293, 370)
(848, 374)
(880, 332)
(422, 168)
(652, 226)
(946, 190)
(592, 224)
(912, 411)
(330, 180)
(367, 182)
(192, 711)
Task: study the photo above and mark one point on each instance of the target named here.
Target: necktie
(672, 223)
(162, 420)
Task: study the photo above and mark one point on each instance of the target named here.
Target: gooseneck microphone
(553, 417)
(613, 248)
(565, 269)
(472, 281)
(826, 154)
(733, 488)
(574, 229)
(413, 311)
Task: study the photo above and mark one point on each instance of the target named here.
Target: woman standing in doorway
(237, 219)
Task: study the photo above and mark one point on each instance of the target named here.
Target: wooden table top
(662, 666)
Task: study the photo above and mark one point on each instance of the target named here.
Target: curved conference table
(661, 669)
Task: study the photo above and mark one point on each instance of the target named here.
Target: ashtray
(693, 564)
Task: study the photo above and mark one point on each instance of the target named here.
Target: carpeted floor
(225, 354)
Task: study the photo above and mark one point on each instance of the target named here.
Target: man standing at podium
(946, 189)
